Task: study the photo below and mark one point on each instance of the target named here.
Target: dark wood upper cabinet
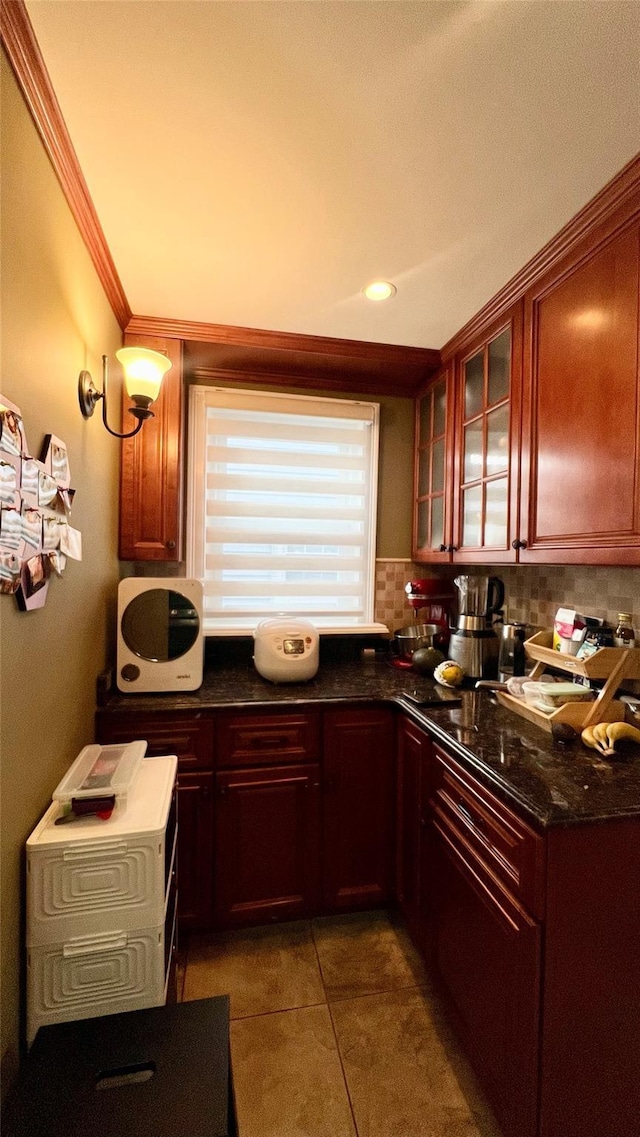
(487, 444)
(433, 514)
(151, 468)
(581, 437)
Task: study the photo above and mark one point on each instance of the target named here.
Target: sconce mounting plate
(88, 394)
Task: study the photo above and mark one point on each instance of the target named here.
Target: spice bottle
(624, 635)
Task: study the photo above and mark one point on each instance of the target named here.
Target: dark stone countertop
(552, 784)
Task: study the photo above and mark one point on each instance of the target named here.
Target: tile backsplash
(533, 593)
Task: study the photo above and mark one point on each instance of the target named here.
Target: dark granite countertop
(552, 784)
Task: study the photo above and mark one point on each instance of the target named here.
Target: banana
(600, 734)
(621, 731)
(589, 739)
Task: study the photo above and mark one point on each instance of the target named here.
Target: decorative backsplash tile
(533, 593)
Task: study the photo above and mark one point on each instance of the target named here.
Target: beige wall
(55, 321)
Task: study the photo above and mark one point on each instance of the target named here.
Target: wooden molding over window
(223, 353)
(610, 209)
(28, 65)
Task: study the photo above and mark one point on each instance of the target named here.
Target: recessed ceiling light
(379, 290)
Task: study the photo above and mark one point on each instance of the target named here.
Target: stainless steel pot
(414, 636)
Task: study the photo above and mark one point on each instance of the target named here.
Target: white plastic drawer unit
(101, 905)
(91, 875)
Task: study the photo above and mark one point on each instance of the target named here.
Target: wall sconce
(143, 373)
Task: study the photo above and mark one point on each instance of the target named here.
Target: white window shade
(282, 507)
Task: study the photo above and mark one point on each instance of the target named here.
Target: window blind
(282, 507)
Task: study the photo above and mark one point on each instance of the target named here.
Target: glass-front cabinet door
(485, 496)
(434, 462)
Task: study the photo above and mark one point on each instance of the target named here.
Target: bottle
(624, 635)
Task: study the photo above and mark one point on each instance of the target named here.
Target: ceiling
(258, 163)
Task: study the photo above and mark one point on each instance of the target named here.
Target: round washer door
(160, 624)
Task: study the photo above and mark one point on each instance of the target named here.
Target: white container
(286, 650)
(87, 976)
(101, 905)
(91, 874)
(101, 771)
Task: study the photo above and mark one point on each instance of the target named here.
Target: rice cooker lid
(281, 626)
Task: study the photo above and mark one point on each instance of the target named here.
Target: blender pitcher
(479, 595)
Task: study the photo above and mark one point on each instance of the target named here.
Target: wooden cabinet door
(581, 434)
(189, 736)
(486, 950)
(151, 468)
(195, 850)
(267, 844)
(486, 477)
(433, 469)
(358, 808)
(412, 755)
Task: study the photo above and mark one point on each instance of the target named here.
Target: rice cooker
(286, 650)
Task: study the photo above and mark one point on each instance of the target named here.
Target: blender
(474, 644)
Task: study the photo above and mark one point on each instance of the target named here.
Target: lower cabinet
(358, 809)
(267, 844)
(195, 850)
(486, 950)
(413, 751)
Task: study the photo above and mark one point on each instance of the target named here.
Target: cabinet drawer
(256, 740)
(512, 851)
(189, 736)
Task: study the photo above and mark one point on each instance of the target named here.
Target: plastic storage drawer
(90, 876)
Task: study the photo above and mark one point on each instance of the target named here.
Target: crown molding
(232, 335)
(613, 206)
(23, 53)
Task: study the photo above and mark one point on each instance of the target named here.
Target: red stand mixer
(434, 599)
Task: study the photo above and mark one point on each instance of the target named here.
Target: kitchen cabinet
(484, 940)
(151, 468)
(413, 753)
(195, 850)
(267, 844)
(467, 457)
(358, 808)
(581, 437)
(433, 470)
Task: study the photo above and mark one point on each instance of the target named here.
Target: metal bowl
(414, 636)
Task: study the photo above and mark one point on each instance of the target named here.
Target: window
(282, 507)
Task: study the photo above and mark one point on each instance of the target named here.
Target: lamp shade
(143, 371)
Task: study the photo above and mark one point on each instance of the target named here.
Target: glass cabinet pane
(473, 385)
(499, 367)
(472, 516)
(437, 477)
(437, 522)
(423, 523)
(495, 525)
(473, 451)
(439, 409)
(498, 440)
(423, 473)
(425, 420)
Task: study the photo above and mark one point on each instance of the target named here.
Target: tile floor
(336, 1033)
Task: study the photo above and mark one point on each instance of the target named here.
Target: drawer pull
(474, 822)
(260, 742)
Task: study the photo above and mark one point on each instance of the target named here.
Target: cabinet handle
(443, 549)
(452, 548)
(518, 544)
(260, 743)
(170, 544)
